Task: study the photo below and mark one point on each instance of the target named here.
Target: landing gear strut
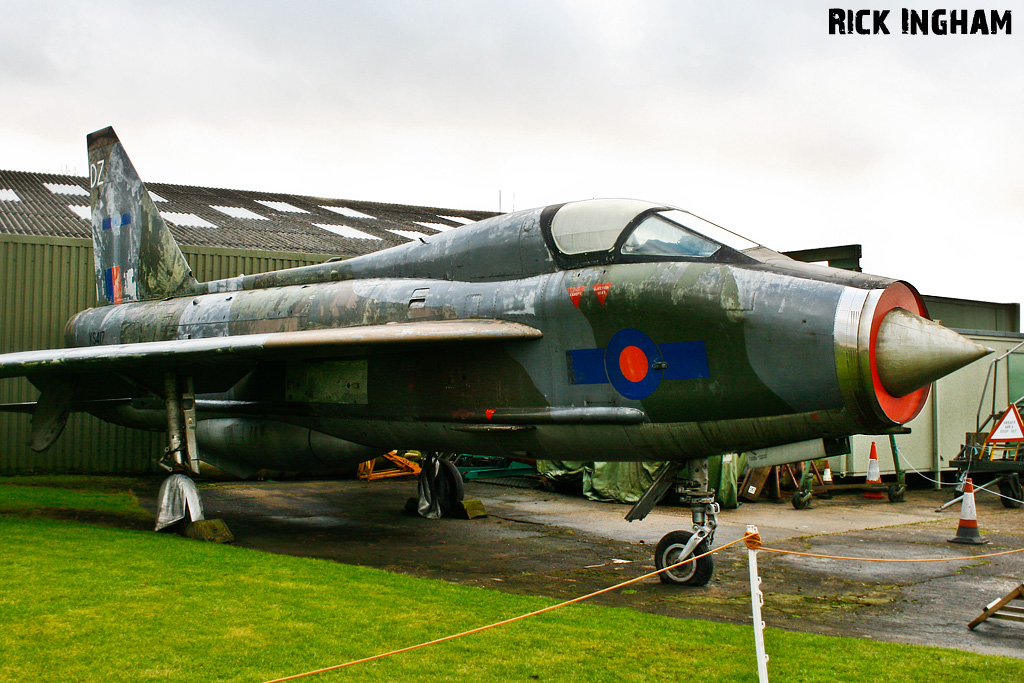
(676, 546)
(178, 502)
(181, 452)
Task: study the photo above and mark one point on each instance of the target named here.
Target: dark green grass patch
(62, 495)
(77, 482)
(86, 603)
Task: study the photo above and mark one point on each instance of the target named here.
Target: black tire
(897, 493)
(452, 490)
(1008, 490)
(801, 500)
(696, 573)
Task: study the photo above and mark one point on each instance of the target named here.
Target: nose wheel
(673, 548)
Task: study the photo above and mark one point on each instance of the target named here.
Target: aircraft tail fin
(136, 257)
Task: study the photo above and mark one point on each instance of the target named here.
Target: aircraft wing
(211, 350)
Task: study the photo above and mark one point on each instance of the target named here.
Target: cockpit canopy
(624, 230)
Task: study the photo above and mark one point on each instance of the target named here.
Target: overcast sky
(746, 112)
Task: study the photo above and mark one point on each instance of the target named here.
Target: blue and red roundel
(628, 362)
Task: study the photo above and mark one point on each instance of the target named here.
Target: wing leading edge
(335, 341)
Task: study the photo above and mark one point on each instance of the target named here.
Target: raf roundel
(635, 365)
(629, 361)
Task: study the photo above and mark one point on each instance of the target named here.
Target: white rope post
(756, 601)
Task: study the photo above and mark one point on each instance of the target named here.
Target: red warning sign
(575, 293)
(489, 413)
(601, 290)
(1009, 427)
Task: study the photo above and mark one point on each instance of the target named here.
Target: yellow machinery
(402, 467)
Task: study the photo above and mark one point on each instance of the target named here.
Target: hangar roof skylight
(346, 231)
(84, 212)
(58, 188)
(189, 220)
(281, 206)
(344, 211)
(239, 212)
(411, 234)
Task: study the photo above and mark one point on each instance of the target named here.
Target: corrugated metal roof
(36, 209)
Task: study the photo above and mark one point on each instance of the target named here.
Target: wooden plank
(994, 608)
(1012, 609)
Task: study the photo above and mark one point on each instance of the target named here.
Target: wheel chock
(473, 509)
(213, 530)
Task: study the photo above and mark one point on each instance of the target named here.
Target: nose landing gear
(677, 546)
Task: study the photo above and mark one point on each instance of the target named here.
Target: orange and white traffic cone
(873, 475)
(967, 530)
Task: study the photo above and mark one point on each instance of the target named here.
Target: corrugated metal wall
(963, 314)
(43, 282)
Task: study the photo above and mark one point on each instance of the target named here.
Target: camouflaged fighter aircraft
(604, 330)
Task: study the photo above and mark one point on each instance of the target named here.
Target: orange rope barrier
(882, 559)
(509, 621)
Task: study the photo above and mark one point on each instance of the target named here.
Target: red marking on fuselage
(115, 281)
(575, 293)
(633, 363)
(601, 290)
(489, 413)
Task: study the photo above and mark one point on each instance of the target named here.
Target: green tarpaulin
(625, 482)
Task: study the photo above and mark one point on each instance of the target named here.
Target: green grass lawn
(80, 602)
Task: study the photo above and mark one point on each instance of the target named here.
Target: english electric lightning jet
(603, 330)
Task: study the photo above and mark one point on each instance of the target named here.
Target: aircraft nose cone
(912, 352)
